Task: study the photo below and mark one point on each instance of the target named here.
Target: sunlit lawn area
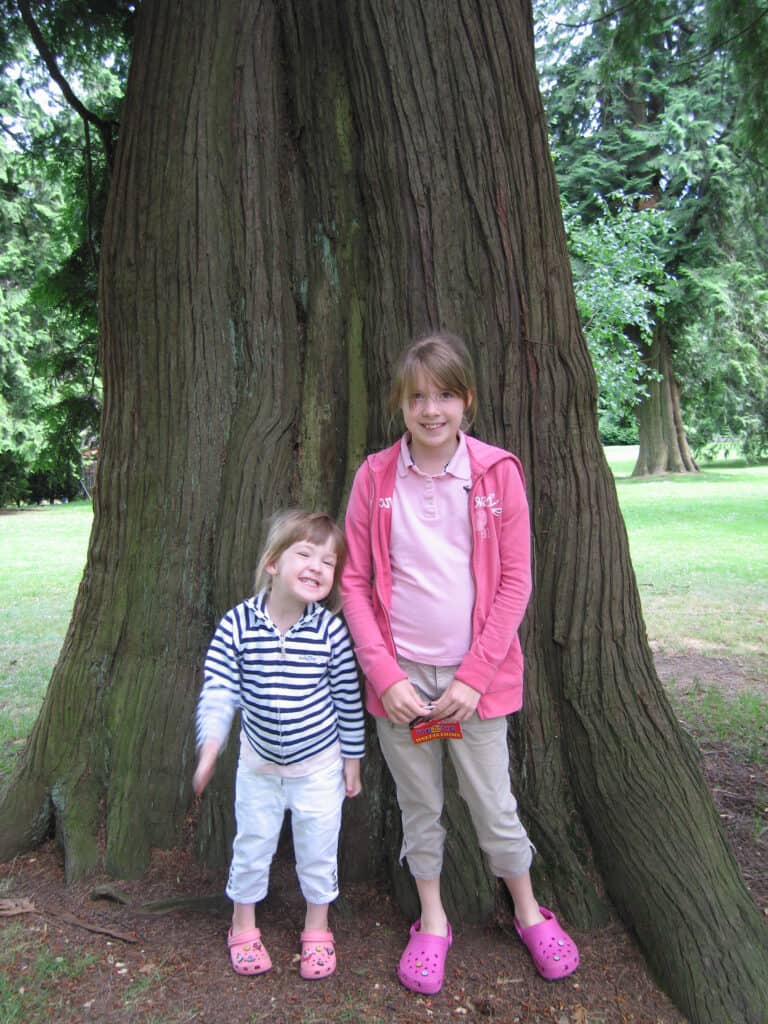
(42, 555)
(699, 546)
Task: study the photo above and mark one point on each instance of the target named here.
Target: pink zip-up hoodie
(501, 566)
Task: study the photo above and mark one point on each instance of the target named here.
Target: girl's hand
(457, 703)
(352, 783)
(402, 704)
(206, 766)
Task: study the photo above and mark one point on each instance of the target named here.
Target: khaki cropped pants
(481, 762)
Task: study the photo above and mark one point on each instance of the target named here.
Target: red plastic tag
(436, 729)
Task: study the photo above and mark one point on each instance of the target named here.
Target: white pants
(261, 801)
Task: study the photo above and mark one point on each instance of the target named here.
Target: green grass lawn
(42, 556)
(699, 547)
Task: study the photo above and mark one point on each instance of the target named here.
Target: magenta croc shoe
(422, 965)
(553, 951)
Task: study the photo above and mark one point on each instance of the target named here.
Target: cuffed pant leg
(315, 802)
(259, 812)
(481, 760)
(417, 770)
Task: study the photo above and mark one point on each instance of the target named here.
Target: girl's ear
(271, 568)
(470, 402)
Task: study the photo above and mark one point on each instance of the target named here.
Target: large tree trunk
(298, 189)
(663, 441)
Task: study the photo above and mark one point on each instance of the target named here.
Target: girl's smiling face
(433, 415)
(304, 572)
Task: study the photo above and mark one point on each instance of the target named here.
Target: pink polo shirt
(433, 592)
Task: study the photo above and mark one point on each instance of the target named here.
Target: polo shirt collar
(458, 465)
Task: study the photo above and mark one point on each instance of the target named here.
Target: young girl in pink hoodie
(435, 586)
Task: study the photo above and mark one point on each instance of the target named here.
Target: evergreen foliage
(662, 102)
(659, 101)
(54, 179)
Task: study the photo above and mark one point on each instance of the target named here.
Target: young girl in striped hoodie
(284, 659)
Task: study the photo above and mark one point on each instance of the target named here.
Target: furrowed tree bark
(300, 188)
(202, 388)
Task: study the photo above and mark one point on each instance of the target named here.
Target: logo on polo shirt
(385, 502)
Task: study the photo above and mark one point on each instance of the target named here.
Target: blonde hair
(445, 358)
(290, 527)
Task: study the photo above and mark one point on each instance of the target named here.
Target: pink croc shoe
(422, 965)
(247, 952)
(554, 953)
(318, 955)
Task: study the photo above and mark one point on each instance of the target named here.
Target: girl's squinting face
(304, 572)
(433, 416)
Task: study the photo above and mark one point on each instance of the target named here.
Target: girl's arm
(491, 646)
(345, 692)
(352, 783)
(206, 766)
(375, 655)
(220, 696)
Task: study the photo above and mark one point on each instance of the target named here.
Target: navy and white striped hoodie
(298, 692)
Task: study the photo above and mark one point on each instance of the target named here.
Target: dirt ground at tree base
(176, 971)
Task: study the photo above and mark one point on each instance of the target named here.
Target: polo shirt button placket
(429, 498)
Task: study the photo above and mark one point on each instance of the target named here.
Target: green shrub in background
(14, 485)
(617, 427)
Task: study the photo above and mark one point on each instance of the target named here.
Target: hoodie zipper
(375, 521)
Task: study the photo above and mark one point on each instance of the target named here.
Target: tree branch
(104, 128)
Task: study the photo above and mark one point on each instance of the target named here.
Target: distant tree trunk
(299, 188)
(663, 442)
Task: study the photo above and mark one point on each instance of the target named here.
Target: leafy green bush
(14, 486)
(617, 427)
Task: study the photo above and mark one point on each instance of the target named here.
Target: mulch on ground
(172, 967)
